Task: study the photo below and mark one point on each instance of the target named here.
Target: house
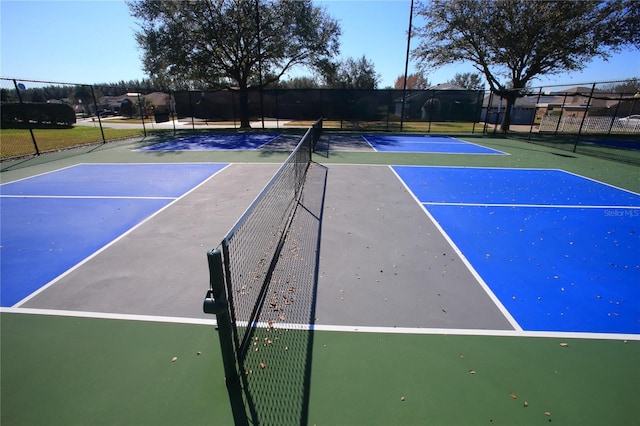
(523, 111)
(157, 101)
(573, 102)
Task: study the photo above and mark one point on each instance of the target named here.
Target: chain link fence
(601, 119)
(597, 118)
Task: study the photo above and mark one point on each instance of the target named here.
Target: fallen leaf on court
(513, 395)
(546, 413)
(564, 345)
(174, 359)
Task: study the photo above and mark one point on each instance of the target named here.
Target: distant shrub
(39, 115)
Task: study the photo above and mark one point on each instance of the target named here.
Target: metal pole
(25, 117)
(584, 117)
(95, 104)
(172, 110)
(259, 61)
(535, 112)
(486, 114)
(615, 113)
(406, 67)
(144, 129)
(564, 101)
(193, 124)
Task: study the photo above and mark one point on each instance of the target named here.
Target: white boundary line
(520, 168)
(470, 267)
(368, 143)
(485, 147)
(597, 181)
(110, 316)
(547, 206)
(329, 328)
(40, 174)
(118, 238)
(90, 197)
(454, 142)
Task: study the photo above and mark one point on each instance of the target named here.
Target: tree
(127, 108)
(212, 43)
(520, 39)
(415, 81)
(350, 74)
(302, 82)
(468, 80)
(83, 95)
(631, 85)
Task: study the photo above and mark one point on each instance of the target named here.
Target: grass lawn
(17, 142)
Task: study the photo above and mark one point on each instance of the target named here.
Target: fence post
(495, 125)
(535, 113)
(172, 109)
(95, 104)
(615, 113)
(584, 117)
(193, 124)
(25, 117)
(486, 114)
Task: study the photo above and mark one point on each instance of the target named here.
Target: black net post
(216, 303)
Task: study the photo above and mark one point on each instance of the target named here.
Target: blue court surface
(427, 144)
(53, 221)
(214, 142)
(561, 252)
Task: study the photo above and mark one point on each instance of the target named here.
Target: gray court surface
(382, 261)
(160, 267)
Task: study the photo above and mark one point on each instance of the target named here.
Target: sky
(92, 41)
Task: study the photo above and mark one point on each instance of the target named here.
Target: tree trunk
(506, 118)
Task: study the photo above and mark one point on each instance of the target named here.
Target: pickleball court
(425, 275)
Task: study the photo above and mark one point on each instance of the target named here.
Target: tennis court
(214, 142)
(407, 294)
(56, 220)
(427, 143)
(558, 250)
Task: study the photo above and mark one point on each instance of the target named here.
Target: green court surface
(71, 371)
(89, 364)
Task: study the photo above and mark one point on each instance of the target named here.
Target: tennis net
(241, 268)
(250, 250)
